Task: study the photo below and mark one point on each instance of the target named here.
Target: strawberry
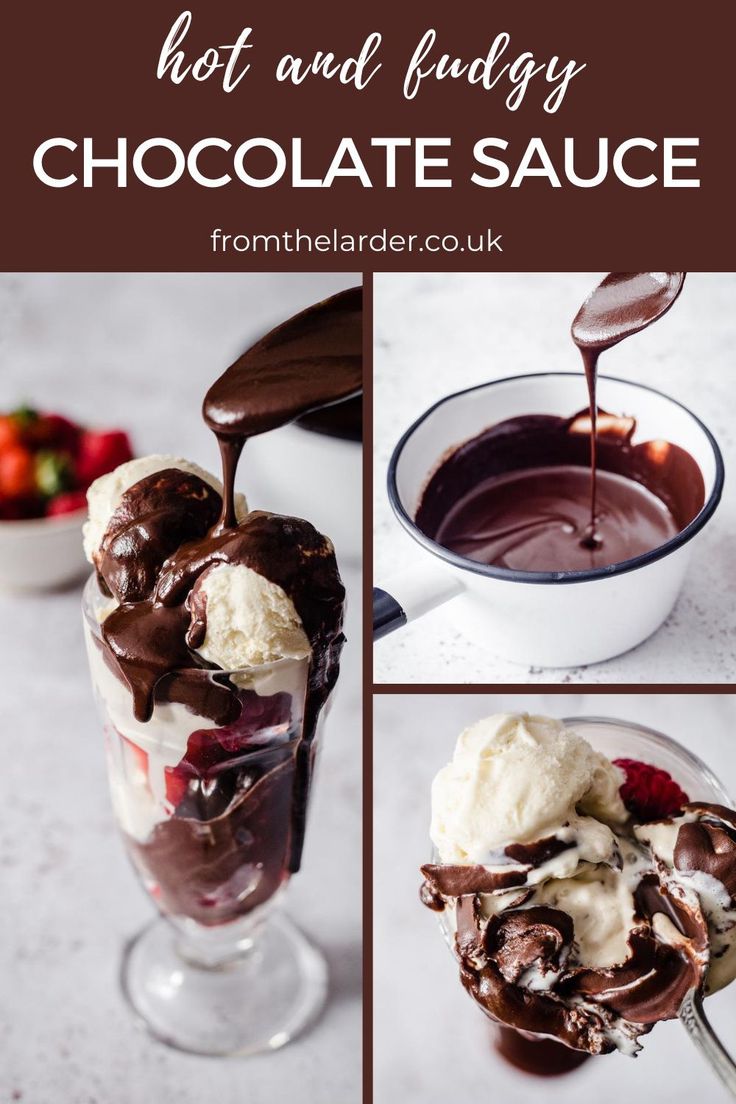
(177, 784)
(9, 432)
(649, 793)
(17, 472)
(100, 452)
(66, 503)
(137, 757)
(53, 431)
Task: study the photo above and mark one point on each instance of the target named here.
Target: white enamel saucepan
(547, 619)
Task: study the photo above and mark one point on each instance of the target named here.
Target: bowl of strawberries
(47, 462)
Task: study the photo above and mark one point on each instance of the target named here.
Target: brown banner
(654, 86)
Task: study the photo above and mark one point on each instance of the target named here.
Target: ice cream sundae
(214, 637)
(583, 898)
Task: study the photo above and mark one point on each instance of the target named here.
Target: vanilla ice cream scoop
(249, 620)
(516, 778)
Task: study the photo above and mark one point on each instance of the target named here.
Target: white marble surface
(431, 1042)
(139, 351)
(439, 333)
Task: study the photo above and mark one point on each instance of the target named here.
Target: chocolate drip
(146, 647)
(230, 450)
(514, 496)
(534, 1053)
(623, 304)
(430, 899)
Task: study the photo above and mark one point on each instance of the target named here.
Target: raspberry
(649, 793)
(202, 783)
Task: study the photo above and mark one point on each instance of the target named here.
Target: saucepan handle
(410, 595)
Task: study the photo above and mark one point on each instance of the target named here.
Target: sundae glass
(209, 815)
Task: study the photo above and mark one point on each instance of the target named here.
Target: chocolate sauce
(536, 519)
(214, 869)
(172, 528)
(709, 844)
(311, 361)
(527, 509)
(516, 496)
(623, 304)
(521, 966)
(152, 519)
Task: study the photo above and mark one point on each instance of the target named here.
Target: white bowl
(42, 553)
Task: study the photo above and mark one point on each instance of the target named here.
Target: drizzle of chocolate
(509, 872)
(146, 647)
(623, 304)
(165, 540)
(514, 495)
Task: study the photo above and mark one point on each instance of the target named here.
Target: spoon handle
(706, 1040)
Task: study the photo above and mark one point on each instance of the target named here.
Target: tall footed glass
(212, 819)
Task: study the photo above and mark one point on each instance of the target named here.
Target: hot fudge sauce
(544, 494)
(623, 304)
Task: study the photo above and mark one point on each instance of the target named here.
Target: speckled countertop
(439, 333)
(139, 351)
(431, 1043)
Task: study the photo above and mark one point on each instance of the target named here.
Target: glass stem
(217, 947)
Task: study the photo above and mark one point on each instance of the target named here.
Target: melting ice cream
(568, 918)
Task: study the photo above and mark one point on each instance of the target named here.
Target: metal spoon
(702, 1034)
